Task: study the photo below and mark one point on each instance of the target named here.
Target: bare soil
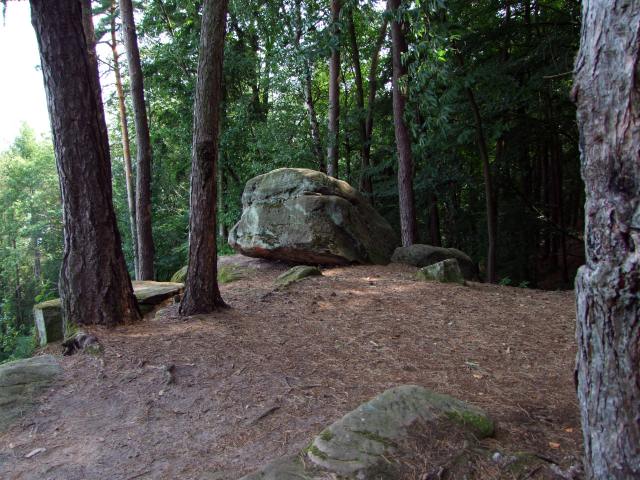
(217, 396)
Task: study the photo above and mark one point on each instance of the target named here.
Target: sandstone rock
(297, 273)
(21, 383)
(48, 315)
(305, 216)
(446, 271)
(359, 445)
(420, 255)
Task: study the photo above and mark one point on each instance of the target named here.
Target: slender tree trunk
(94, 283)
(607, 93)
(403, 141)
(202, 294)
(490, 199)
(37, 262)
(366, 184)
(434, 221)
(307, 85)
(146, 248)
(126, 148)
(362, 127)
(334, 92)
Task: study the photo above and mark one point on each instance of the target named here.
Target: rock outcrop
(420, 255)
(297, 273)
(304, 216)
(21, 383)
(359, 445)
(48, 315)
(446, 271)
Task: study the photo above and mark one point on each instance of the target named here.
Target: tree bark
(403, 141)
(202, 294)
(334, 92)
(307, 85)
(126, 147)
(94, 284)
(607, 93)
(366, 183)
(146, 248)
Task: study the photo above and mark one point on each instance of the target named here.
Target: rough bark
(607, 93)
(146, 248)
(126, 147)
(94, 284)
(334, 93)
(307, 85)
(403, 141)
(202, 294)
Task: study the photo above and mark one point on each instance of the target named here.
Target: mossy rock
(421, 255)
(446, 271)
(226, 274)
(304, 216)
(359, 445)
(297, 273)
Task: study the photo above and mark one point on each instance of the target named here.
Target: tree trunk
(202, 294)
(94, 284)
(490, 199)
(334, 92)
(126, 148)
(434, 221)
(403, 141)
(607, 93)
(362, 127)
(307, 85)
(366, 184)
(146, 248)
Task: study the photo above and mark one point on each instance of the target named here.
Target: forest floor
(217, 396)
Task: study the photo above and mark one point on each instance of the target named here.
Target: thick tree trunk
(334, 93)
(202, 294)
(403, 141)
(94, 284)
(307, 86)
(126, 147)
(366, 184)
(146, 248)
(607, 93)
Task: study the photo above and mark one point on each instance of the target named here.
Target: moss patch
(480, 425)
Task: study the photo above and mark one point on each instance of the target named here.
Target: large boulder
(359, 445)
(304, 216)
(21, 383)
(420, 255)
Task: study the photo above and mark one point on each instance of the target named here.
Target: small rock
(447, 271)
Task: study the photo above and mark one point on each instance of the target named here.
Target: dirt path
(214, 397)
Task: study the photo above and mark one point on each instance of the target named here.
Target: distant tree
(94, 284)
(333, 150)
(146, 249)
(202, 294)
(403, 140)
(606, 91)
